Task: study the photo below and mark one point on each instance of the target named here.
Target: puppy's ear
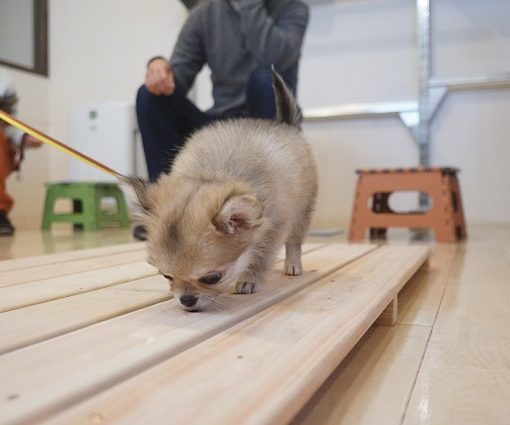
(135, 189)
(238, 212)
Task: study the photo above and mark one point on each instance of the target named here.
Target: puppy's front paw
(244, 287)
(293, 269)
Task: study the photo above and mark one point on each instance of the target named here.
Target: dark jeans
(166, 121)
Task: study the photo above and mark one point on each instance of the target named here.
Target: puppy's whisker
(217, 304)
(223, 302)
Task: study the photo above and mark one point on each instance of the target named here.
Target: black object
(188, 300)
(6, 227)
(190, 3)
(140, 232)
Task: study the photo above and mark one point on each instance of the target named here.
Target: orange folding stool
(445, 216)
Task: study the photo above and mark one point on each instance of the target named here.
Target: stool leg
(90, 211)
(122, 212)
(380, 205)
(48, 210)
(359, 220)
(460, 222)
(442, 211)
(120, 216)
(357, 232)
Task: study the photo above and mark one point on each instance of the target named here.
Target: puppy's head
(200, 234)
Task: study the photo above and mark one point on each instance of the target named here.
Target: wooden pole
(55, 143)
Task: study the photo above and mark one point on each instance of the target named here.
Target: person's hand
(31, 142)
(159, 78)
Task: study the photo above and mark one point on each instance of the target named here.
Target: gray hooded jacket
(234, 40)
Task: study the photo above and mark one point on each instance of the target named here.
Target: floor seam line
(413, 386)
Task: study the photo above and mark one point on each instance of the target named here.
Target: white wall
(98, 51)
(365, 50)
(355, 51)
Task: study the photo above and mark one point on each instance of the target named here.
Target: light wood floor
(447, 361)
(61, 238)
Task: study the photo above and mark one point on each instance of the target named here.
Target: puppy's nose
(188, 300)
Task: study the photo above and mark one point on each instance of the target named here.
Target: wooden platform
(94, 337)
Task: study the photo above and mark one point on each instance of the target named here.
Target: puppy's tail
(287, 109)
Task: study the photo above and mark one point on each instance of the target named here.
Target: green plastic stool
(86, 197)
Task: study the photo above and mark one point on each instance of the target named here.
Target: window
(24, 35)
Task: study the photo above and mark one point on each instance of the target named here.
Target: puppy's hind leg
(292, 265)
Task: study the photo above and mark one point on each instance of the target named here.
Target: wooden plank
(74, 312)
(372, 384)
(71, 282)
(390, 314)
(125, 345)
(36, 323)
(36, 274)
(24, 295)
(18, 296)
(307, 247)
(263, 370)
(61, 257)
(30, 269)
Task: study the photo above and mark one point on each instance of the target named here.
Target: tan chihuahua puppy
(237, 191)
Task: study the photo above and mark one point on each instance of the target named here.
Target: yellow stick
(55, 143)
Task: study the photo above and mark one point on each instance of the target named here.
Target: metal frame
(415, 115)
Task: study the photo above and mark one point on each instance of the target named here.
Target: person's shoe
(6, 227)
(140, 232)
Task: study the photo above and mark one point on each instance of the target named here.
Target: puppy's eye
(168, 276)
(211, 279)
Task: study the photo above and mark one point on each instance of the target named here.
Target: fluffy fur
(237, 191)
